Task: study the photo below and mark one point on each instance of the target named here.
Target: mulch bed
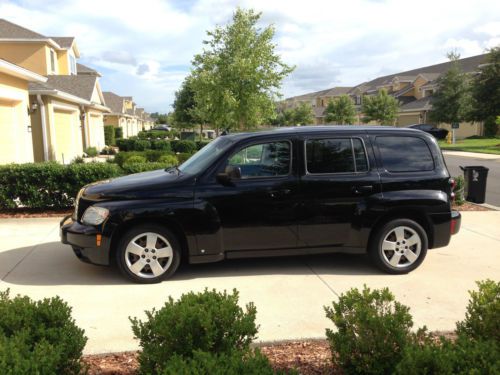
(308, 357)
(470, 207)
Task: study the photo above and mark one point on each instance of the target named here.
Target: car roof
(312, 129)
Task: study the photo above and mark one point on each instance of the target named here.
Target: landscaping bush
(183, 157)
(169, 160)
(203, 363)
(154, 134)
(118, 133)
(48, 185)
(490, 127)
(150, 156)
(464, 356)
(183, 146)
(482, 318)
(459, 190)
(209, 321)
(109, 135)
(373, 329)
(161, 145)
(201, 144)
(108, 151)
(38, 337)
(134, 159)
(130, 168)
(91, 151)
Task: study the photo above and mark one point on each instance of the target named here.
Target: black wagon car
(306, 190)
(438, 133)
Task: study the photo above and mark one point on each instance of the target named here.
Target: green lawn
(484, 145)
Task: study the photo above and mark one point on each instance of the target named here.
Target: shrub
(109, 135)
(482, 318)
(373, 330)
(459, 190)
(77, 160)
(490, 127)
(130, 168)
(108, 151)
(208, 321)
(48, 185)
(154, 134)
(183, 157)
(236, 362)
(168, 160)
(464, 356)
(38, 337)
(201, 144)
(183, 146)
(150, 156)
(136, 159)
(91, 151)
(118, 133)
(161, 145)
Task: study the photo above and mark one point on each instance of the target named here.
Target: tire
(148, 263)
(395, 249)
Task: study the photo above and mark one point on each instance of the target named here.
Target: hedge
(137, 144)
(150, 156)
(109, 135)
(48, 185)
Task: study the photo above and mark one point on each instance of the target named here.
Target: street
(493, 183)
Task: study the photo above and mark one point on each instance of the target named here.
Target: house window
(72, 64)
(428, 92)
(53, 61)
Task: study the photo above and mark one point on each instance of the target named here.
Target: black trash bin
(475, 183)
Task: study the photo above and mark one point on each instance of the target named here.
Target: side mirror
(229, 174)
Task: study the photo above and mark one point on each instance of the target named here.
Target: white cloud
(145, 48)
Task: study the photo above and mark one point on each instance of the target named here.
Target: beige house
(16, 144)
(126, 115)
(413, 89)
(67, 108)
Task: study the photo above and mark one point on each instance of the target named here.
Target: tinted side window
(263, 160)
(405, 154)
(337, 155)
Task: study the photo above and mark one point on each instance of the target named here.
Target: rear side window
(336, 155)
(405, 154)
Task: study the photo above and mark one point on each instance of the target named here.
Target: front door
(259, 210)
(337, 182)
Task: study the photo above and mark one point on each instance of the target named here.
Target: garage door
(405, 120)
(67, 135)
(7, 133)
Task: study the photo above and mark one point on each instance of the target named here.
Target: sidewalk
(476, 155)
(289, 293)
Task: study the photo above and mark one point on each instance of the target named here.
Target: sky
(144, 48)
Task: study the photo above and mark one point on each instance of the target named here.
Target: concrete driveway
(289, 292)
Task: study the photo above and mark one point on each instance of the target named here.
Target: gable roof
(64, 41)
(113, 101)
(422, 104)
(337, 91)
(85, 70)
(9, 30)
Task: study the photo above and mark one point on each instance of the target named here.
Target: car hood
(153, 184)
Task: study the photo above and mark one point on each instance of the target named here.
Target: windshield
(206, 156)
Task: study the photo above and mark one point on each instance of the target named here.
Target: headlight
(95, 215)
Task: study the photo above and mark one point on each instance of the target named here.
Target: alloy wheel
(148, 255)
(401, 247)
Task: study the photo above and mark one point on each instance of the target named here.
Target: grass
(481, 145)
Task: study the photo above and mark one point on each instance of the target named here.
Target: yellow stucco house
(16, 145)
(67, 109)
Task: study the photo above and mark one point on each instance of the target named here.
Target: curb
(487, 205)
(468, 154)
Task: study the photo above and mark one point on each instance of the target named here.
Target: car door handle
(362, 189)
(279, 193)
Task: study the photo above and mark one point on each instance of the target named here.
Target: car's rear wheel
(399, 246)
(148, 254)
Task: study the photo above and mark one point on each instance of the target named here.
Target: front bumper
(88, 244)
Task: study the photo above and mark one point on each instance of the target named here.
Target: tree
(341, 110)
(302, 114)
(160, 118)
(451, 102)
(486, 93)
(382, 108)
(184, 114)
(236, 80)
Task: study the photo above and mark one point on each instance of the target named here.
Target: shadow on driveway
(55, 264)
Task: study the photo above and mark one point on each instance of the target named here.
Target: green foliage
(185, 111)
(201, 144)
(302, 114)
(382, 108)
(235, 362)
(459, 190)
(183, 157)
(48, 185)
(168, 160)
(136, 159)
(118, 133)
(209, 321)
(445, 357)
(486, 89)
(137, 144)
(108, 151)
(341, 110)
(154, 134)
(38, 337)
(482, 319)
(130, 168)
(236, 79)
(183, 146)
(452, 101)
(109, 135)
(91, 151)
(491, 127)
(150, 156)
(373, 329)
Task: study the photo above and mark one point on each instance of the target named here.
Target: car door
(338, 179)
(258, 210)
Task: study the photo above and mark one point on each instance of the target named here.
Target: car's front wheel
(399, 246)
(148, 254)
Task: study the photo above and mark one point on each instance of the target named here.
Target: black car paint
(295, 214)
